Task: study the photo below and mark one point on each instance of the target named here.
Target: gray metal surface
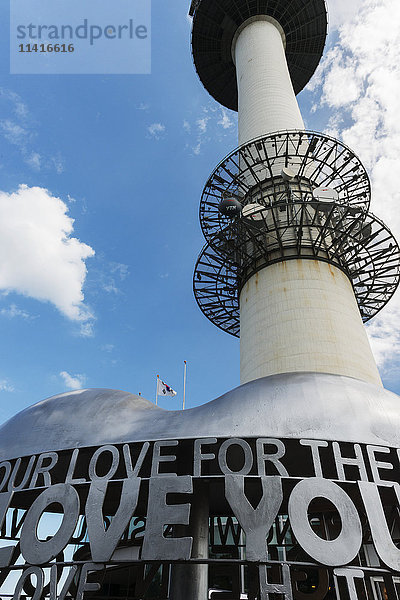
(339, 551)
(266, 588)
(242, 172)
(103, 542)
(386, 549)
(39, 552)
(189, 580)
(160, 513)
(291, 223)
(291, 405)
(351, 575)
(255, 522)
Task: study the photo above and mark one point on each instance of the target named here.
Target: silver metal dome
(292, 405)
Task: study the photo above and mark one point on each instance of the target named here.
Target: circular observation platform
(356, 242)
(251, 173)
(304, 23)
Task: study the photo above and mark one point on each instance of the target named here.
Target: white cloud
(201, 127)
(156, 130)
(38, 256)
(107, 347)
(6, 386)
(119, 269)
(110, 277)
(225, 121)
(384, 335)
(197, 148)
(34, 161)
(58, 164)
(19, 128)
(20, 108)
(86, 329)
(342, 11)
(202, 124)
(13, 311)
(213, 124)
(13, 132)
(359, 80)
(110, 288)
(73, 382)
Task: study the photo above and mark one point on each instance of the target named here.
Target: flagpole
(157, 390)
(184, 384)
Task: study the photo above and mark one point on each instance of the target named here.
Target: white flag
(163, 389)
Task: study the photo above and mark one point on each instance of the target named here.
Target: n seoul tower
(288, 485)
(294, 262)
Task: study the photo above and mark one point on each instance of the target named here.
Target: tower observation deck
(294, 261)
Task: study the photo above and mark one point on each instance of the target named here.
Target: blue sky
(128, 155)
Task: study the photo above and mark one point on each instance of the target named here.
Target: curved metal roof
(215, 23)
(291, 405)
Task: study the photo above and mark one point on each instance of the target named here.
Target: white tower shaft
(297, 315)
(266, 100)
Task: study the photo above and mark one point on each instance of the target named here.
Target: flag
(163, 389)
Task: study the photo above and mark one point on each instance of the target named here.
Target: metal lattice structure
(284, 220)
(251, 173)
